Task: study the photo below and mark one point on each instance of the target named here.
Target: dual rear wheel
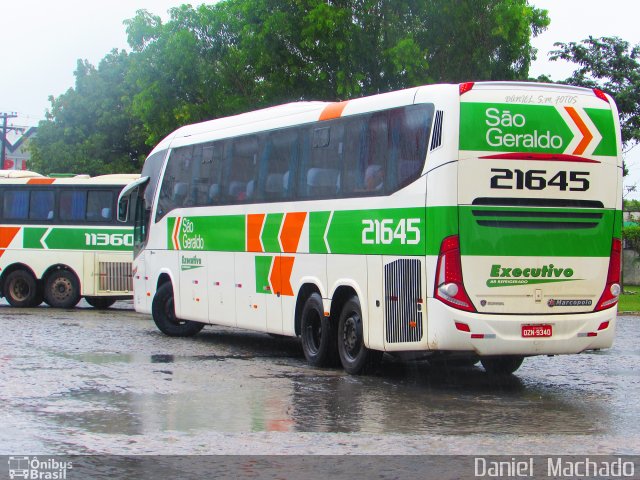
(61, 289)
(324, 342)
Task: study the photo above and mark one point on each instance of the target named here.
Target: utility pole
(3, 137)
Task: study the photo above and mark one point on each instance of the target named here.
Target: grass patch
(630, 299)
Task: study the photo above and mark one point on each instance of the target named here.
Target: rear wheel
(62, 289)
(355, 357)
(317, 334)
(101, 303)
(504, 365)
(164, 315)
(21, 289)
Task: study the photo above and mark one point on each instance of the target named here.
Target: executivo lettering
(189, 263)
(503, 276)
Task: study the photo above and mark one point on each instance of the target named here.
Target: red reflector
(463, 327)
(600, 94)
(604, 325)
(592, 334)
(465, 87)
(611, 291)
(477, 335)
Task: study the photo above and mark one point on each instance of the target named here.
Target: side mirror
(123, 209)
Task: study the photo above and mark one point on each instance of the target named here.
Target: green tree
(90, 129)
(239, 55)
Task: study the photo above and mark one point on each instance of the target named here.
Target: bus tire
(502, 365)
(101, 303)
(164, 315)
(356, 359)
(21, 289)
(62, 289)
(318, 335)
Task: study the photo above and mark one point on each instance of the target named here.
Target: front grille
(403, 302)
(115, 277)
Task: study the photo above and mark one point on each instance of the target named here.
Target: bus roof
(37, 179)
(296, 113)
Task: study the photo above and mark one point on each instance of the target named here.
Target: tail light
(612, 289)
(600, 94)
(465, 87)
(449, 285)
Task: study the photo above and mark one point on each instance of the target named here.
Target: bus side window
(321, 175)
(242, 168)
(73, 205)
(41, 205)
(99, 205)
(16, 204)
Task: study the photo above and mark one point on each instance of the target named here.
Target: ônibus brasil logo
(504, 276)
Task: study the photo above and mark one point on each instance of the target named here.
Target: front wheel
(21, 289)
(62, 289)
(355, 357)
(164, 315)
(503, 365)
(317, 334)
(101, 303)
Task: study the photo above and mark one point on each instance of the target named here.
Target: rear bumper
(572, 333)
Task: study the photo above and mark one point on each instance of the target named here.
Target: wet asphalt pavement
(83, 381)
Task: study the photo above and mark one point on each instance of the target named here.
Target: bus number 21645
(387, 231)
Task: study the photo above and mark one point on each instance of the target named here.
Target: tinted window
(369, 154)
(42, 205)
(99, 205)
(73, 205)
(16, 204)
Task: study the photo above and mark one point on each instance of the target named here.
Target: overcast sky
(43, 39)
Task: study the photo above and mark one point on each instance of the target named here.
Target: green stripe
(442, 222)
(94, 239)
(317, 225)
(518, 241)
(225, 233)
(270, 231)
(603, 120)
(263, 266)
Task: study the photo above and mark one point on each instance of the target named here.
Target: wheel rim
(61, 289)
(313, 332)
(19, 289)
(350, 336)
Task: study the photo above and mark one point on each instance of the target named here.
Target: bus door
(539, 186)
(222, 288)
(252, 289)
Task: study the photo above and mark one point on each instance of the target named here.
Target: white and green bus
(465, 222)
(60, 240)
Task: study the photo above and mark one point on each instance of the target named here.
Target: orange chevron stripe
(41, 181)
(7, 234)
(333, 110)
(280, 278)
(291, 231)
(254, 227)
(587, 136)
(176, 230)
